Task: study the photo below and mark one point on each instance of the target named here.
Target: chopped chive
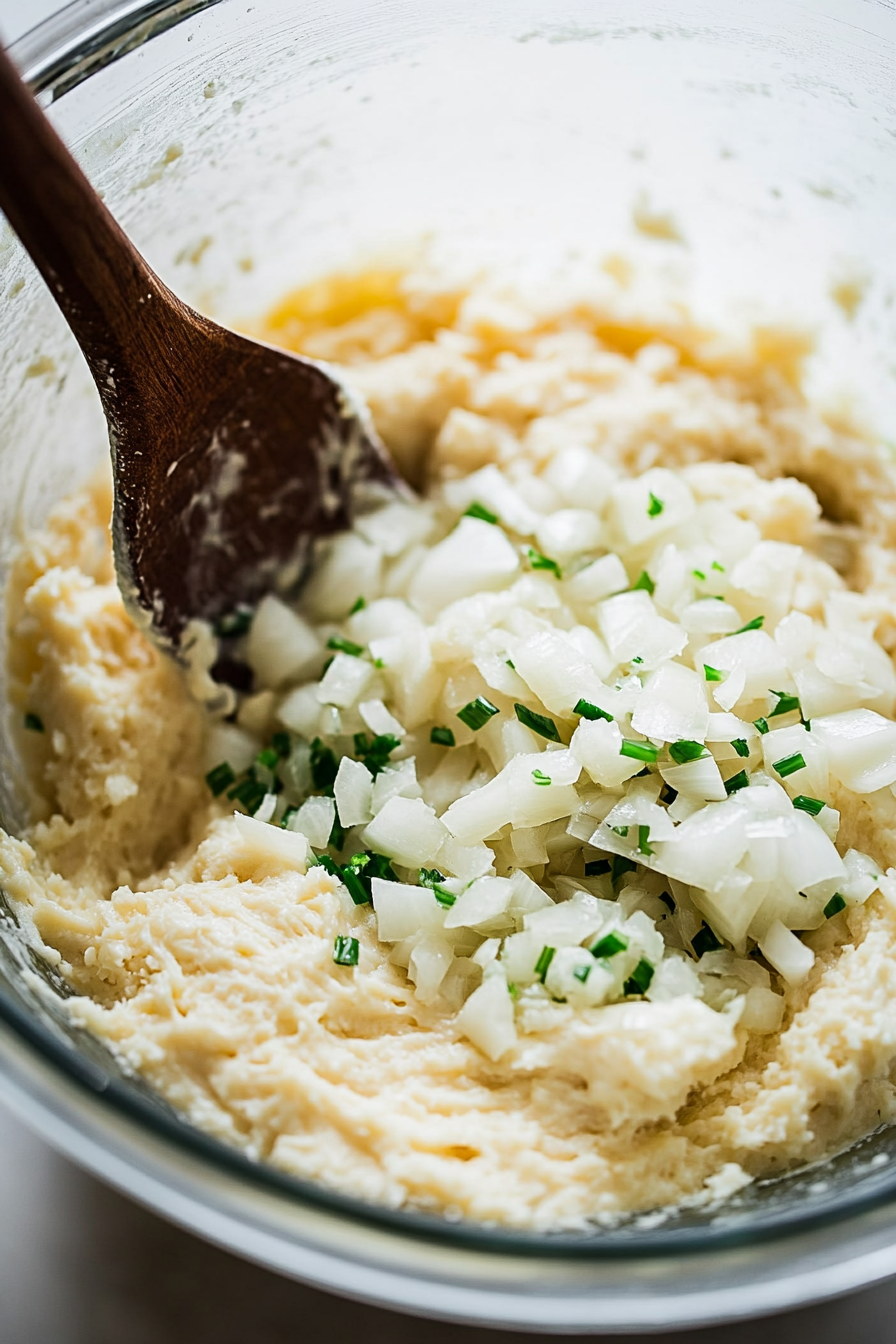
(442, 737)
(582, 973)
(250, 793)
(220, 778)
(756, 624)
(545, 957)
(287, 817)
(345, 950)
(34, 722)
(539, 561)
(785, 704)
(639, 751)
(609, 945)
(643, 838)
(736, 782)
(375, 755)
(432, 878)
(281, 744)
(477, 713)
(698, 574)
(712, 673)
(636, 662)
(597, 867)
(477, 510)
(619, 866)
(643, 583)
(640, 978)
(379, 663)
(589, 711)
(761, 726)
(354, 884)
(704, 940)
(685, 750)
(358, 605)
(268, 757)
(741, 746)
(655, 507)
(234, 624)
(720, 569)
(834, 906)
(539, 723)
(811, 805)
(541, 778)
(620, 830)
(324, 766)
(343, 645)
(789, 765)
(510, 663)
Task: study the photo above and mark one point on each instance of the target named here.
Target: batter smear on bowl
(541, 874)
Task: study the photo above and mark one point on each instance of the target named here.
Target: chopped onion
(783, 950)
(755, 653)
(487, 1017)
(473, 558)
(344, 681)
(632, 629)
(403, 911)
(600, 579)
(482, 902)
(378, 719)
(406, 830)
(314, 820)
(264, 842)
(281, 646)
(672, 705)
(353, 791)
(861, 748)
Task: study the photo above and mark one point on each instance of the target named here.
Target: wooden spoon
(229, 457)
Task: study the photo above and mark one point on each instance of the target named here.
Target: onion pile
(577, 737)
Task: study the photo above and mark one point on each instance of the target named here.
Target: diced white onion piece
(594, 649)
(353, 791)
(645, 936)
(483, 901)
(706, 616)
(486, 952)
(515, 796)
(862, 877)
(732, 907)
(783, 950)
(672, 705)
(566, 924)
(476, 556)
(227, 742)
(487, 1017)
(581, 478)
(403, 911)
(561, 979)
(428, 964)
(568, 532)
(519, 953)
(598, 580)
(636, 811)
(768, 572)
(344, 681)
(395, 526)
(527, 895)
(763, 1010)
(399, 780)
(755, 652)
(266, 808)
(349, 567)
(632, 629)
(264, 842)
(861, 747)
(727, 693)
(728, 727)
(808, 857)
(700, 779)
(596, 744)
(281, 645)
(490, 487)
(707, 847)
(300, 711)
(634, 512)
(406, 830)
(556, 671)
(378, 719)
(314, 820)
(674, 978)
(464, 861)
(783, 743)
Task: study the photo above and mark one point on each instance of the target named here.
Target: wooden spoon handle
(97, 277)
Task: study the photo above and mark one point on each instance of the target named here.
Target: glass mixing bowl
(249, 146)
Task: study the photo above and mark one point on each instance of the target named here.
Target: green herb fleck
(655, 507)
(345, 950)
(541, 778)
(737, 782)
(643, 583)
(789, 765)
(234, 624)
(785, 704)
(741, 746)
(620, 830)
(589, 711)
(704, 940)
(640, 978)
(582, 973)
(698, 574)
(636, 662)
(358, 605)
(756, 624)
(324, 766)
(643, 838)
(685, 750)
(281, 744)
(287, 818)
(268, 757)
(343, 645)
(34, 723)
(479, 511)
(539, 723)
(545, 957)
(539, 561)
(250, 793)
(432, 878)
(609, 945)
(220, 778)
(442, 737)
(639, 751)
(720, 569)
(811, 805)
(375, 755)
(713, 673)
(834, 906)
(619, 866)
(761, 726)
(477, 713)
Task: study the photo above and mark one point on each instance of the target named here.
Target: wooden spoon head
(225, 474)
